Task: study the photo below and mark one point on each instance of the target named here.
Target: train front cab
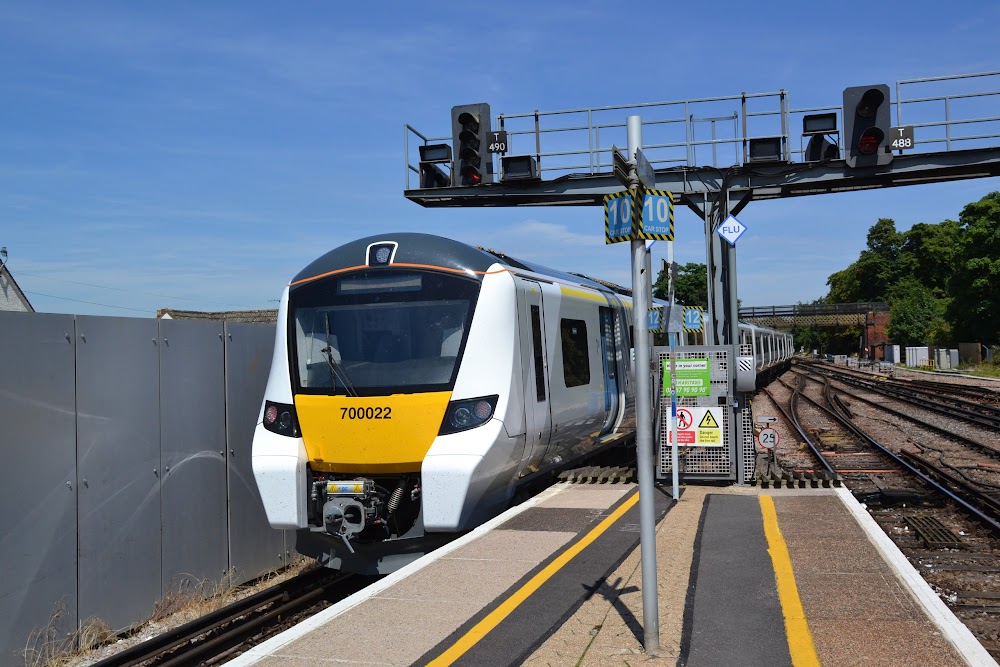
(388, 418)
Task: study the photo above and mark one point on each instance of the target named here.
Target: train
(417, 383)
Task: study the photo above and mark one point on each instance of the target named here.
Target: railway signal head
(470, 124)
(866, 126)
(432, 156)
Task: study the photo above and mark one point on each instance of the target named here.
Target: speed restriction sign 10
(768, 438)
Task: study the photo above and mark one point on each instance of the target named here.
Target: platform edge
(951, 627)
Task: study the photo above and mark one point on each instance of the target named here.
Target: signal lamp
(470, 125)
(869, 141)
(819, 148)
(431, 175)
(471, 175)
(866, 125)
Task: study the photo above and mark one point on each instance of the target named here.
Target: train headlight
(280, 418)
(468, 413)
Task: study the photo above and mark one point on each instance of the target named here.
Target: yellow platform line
(800, 640)
(483, 627)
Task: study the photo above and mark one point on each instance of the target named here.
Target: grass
(52, 646)
(986, 370)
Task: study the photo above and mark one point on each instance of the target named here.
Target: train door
(609, 354)
(534, 374)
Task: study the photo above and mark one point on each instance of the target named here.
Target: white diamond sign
(731, 229)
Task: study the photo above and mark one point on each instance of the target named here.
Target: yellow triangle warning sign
(708, 421)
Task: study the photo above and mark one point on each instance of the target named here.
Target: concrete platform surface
(557, 581)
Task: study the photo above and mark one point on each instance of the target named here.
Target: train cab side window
(536, 342)
(576, 356)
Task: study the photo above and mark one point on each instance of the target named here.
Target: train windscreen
(380, 332)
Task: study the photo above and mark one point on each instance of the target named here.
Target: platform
(746, 576)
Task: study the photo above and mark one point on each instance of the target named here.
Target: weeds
(56, 645)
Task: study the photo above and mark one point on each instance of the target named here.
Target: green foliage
(878, 267)
(975, 308)
(942, 281)
(691, 287)
(844, 285)
(913, 313)
(930, 251)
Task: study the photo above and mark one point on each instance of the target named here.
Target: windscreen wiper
(336, 368)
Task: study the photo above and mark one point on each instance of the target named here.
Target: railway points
(747, 576)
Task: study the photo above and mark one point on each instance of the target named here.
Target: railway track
(228, 631)
(933, 490)
(231, 630)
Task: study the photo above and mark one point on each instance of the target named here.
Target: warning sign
(708, 421)
(699, 427)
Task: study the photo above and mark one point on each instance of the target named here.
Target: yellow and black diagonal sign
(619, 217)
(655, 215)
(691, 317)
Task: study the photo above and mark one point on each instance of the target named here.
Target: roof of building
(18, 293)
(266, 316)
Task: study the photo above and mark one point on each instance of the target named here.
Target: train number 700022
(366, 413)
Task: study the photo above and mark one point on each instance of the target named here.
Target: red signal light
(870, 140)
(471, 175)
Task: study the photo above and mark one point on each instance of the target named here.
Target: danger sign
(699, 427)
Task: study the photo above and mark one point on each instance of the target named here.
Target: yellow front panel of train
(370, 434)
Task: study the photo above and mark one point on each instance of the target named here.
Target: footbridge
(823, 315)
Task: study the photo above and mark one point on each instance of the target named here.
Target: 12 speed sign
(768, 438)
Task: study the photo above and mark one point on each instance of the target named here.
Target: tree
(880, 265)
(930, 252)
(914, 313)
(844, 286)
(691, 287)
(975, 306)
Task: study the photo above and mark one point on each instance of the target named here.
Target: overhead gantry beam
(754, 181)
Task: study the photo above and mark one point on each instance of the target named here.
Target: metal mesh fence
(698, 462)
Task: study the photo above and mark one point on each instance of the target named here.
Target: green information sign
(694, 377)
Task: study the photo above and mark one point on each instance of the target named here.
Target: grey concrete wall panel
(254, 547)
(192, 452)
(37, 480)
(118, 459)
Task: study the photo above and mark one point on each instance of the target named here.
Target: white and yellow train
(417, 382)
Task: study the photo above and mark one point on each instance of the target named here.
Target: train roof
(416, 249)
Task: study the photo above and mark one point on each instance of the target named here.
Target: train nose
(370, 434)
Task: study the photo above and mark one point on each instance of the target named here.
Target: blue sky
(198, 155)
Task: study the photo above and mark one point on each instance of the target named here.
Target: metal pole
(675, 476)
(644, 424)
(709, 322)
(734, 307)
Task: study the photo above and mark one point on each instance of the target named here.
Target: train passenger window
(536, 341)
(576, 356)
